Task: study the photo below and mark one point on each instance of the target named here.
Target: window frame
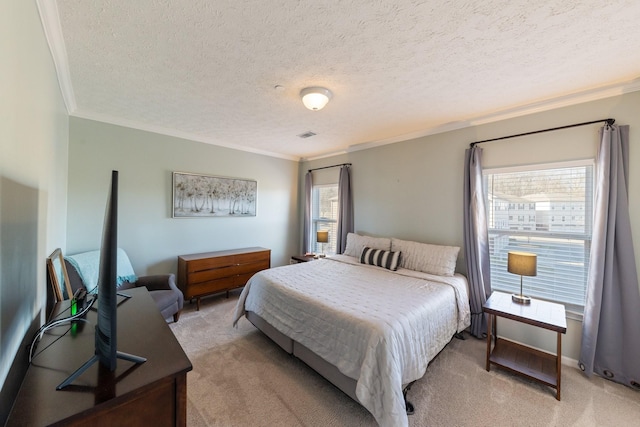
(316, 220)
(574, 311)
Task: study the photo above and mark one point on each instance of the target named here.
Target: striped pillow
(380, 258)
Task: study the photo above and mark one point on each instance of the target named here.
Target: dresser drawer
(254, 267)
(214, 273)
(226, 261)
(228, 270)
(210, 263)
(211, 287)
(253, 257)
(242, 279)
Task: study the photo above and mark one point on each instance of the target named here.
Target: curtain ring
(607, 373)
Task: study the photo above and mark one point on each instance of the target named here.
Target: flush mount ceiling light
(315, 98)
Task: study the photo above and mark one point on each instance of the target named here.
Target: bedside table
(302, 258)
(528, 362)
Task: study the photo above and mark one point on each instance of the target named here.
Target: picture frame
(206, 196)
(58, 277)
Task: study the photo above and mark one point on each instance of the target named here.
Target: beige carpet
(240, 378)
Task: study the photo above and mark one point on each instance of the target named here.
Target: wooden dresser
(212, 272)
(152, 393)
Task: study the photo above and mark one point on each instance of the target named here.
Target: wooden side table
(528, 362)
(302, 258)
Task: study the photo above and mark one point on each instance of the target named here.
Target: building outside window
(324, 208)
(532, 194)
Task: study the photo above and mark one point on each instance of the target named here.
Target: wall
(146, 229)
(413, 189)
(33, 176)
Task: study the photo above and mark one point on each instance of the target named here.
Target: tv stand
(151, 393)
(94, 359)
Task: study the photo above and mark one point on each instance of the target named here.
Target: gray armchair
(162, 289)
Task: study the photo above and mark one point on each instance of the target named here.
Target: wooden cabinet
(212, 272)
(152, 393)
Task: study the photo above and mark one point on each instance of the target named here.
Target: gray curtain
(476, 240)
(345, 209)
(308, 188)
(610, 344)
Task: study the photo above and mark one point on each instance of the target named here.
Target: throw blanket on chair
(87, 264)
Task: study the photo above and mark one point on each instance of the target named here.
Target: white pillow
(432, 259)
(356, 243)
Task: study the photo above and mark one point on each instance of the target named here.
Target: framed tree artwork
(202, 196)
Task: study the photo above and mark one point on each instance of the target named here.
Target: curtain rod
(327, 167)
(609, 122)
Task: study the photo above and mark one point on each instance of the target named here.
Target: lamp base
(520, 299)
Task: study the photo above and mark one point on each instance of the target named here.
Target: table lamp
(322, 237)
(524, 264)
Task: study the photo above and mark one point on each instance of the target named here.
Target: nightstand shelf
(531, 363)
(528, 362)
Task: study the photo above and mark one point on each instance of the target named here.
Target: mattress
(378, 327)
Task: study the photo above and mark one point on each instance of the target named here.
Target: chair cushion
(87, 264)
(162, 288)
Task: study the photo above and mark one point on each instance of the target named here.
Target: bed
(369, 329)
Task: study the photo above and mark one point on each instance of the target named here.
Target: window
(324, 208)
(563, 247)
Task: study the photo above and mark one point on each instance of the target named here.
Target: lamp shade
(322, 237)
(522, 263)
(315, 98)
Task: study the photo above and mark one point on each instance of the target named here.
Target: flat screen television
(106, 342)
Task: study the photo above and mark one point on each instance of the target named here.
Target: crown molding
(48, 10)
(324, 156)
(50, 19)
(118, 121)
(607, 91)
(594, 94)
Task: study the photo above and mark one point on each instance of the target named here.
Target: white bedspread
(376, 326)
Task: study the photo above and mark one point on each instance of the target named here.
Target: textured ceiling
(207, 70)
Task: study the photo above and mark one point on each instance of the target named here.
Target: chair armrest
(158, 282)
